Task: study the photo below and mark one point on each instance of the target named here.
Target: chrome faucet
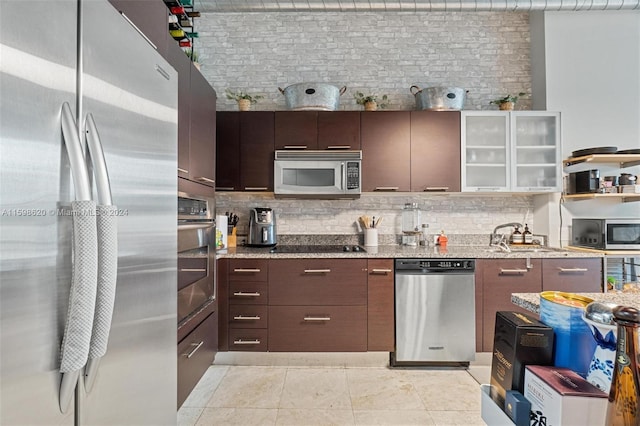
(500, 240)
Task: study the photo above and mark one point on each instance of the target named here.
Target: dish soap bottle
(527, 235)
(516, 237)
(442, 239)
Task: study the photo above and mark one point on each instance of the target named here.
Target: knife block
(232, 237)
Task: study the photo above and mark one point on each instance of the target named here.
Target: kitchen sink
(522, 250)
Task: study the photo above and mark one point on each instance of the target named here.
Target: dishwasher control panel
(436, 264)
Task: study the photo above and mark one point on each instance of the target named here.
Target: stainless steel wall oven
(196, 255)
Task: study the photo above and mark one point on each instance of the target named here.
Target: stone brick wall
(486, 53)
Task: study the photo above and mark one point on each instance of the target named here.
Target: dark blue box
(517, 408)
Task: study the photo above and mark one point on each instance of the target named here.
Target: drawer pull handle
(243, 294)
(194, 350)
(225, 188)
(247, 270)
(246, 342)
(255, 188)
(243, 318)
(181, 170)
(436, 189)
(387, 188)
(573, 269)
(512, 271)
(193, 270)
(317, 318)
(205, 179)
(339, 147)
(381, 271)
(295, 147)
(317, 271)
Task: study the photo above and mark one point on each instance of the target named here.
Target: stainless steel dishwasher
(435, 312)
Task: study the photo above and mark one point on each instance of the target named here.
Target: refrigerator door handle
(107, 255)
(82, 295)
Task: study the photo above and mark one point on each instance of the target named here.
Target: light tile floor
(335, 395)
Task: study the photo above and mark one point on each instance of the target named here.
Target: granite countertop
(398, 251)
(531, 301)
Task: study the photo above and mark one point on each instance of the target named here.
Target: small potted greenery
(193, 55)
(508, 102)
(244, 99)
(371, 102)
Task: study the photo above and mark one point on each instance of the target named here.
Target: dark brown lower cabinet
(575, 275)
(499, 278)
(317, 328)
(195, 355)
(380, 305)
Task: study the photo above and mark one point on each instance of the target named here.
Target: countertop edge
(396, 251)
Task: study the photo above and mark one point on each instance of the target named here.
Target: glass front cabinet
(517, 151)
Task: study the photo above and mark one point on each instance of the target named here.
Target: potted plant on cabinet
(244, 99)
(508, 102)
(193, 55)
(371, 102)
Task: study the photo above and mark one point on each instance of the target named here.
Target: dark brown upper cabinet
(386, 150)
(339, 130)
(228, 151)
(256, 150)
(296, 130)
(202, 131)
(435, 151)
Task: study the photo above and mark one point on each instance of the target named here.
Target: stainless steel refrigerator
(88, 214)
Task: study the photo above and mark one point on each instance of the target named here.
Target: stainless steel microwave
(606, 234)
(317, 174)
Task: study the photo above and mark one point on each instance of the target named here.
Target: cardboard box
(519, 340)
(560, 397)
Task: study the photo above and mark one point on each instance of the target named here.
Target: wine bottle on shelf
(623, 408)
(184, 42)
(193, 14)
(177, 10)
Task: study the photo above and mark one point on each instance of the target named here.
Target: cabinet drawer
(318, 328)
(248, 269)
(248, 293)
(248, 316)
(195, 355)
(572, 275)
(254, 339)
(318, 282)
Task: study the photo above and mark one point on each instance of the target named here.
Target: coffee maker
(262, 227)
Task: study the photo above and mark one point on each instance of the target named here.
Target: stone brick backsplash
(486, 53)
(456, 214)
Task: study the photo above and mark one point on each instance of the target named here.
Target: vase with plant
(244, 99)
(371, 102)
(508, 102)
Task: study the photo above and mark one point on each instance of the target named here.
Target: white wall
(591, 66)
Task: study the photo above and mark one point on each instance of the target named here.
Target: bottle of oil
(623, 408)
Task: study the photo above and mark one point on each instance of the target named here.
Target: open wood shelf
(624, 197)
(624, 160)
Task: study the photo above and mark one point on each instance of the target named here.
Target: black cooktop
(317, 248)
